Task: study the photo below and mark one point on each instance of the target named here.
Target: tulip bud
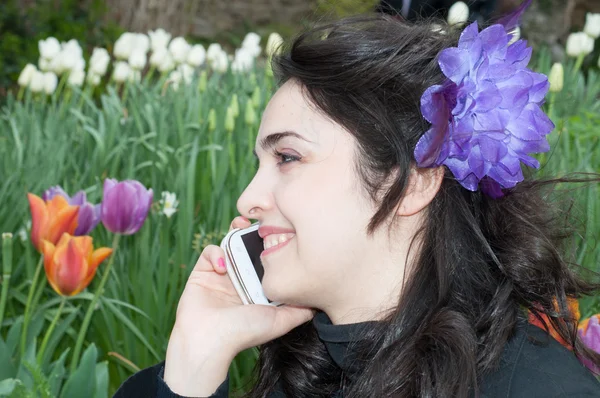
(274, 44)
(256, 97)
(159, 39)
(50, 82)
(589, 333)
(235, 107)
(89, 214)
(49, 48)
(229, 120)
(197, 55)
(99, 62)
(76, 78)
(202, 81)
(458, 13)
(212, 120)
(179, 49)
(592, 25)
(578, 44)
(26, 75)
(250, 115)
(137, 60)
(71, 264)
(556, 77)
(125, 206)
(121, 72)
(141, 43)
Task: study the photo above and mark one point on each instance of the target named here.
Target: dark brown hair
(483, 263)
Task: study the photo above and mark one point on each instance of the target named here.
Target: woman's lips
(272, 249)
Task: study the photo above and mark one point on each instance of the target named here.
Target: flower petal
(39, 220)
(71, 266)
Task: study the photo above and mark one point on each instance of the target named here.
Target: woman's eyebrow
(271, 140)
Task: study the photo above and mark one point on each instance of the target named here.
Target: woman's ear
(423, 184)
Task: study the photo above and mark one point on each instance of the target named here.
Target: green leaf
(82, 382)
(57, 373)
(7, 368)
(7, 386)
(102, 380)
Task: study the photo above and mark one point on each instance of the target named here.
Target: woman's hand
(212, 325)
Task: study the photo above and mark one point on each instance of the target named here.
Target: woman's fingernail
(221, 262)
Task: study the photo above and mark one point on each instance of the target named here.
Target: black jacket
(533, 365)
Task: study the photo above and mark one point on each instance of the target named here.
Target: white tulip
(458, 13)
(36, 84)
(167, 64)
(159, 39)
(141, 43)
(556, 77)
(26, 75)
(179, 49)
(174, 79)
(121, 72)
(169, 203)
(73, 47)
(187, 73)
(76, 77)
(93, 79)
(71, 61)
(124, 45)
(251, 40)
(243, 61)
(253, 51)
(99, 61)
(592, 25)
(137, 59)
(50, 82)
(197, 55)
(220, 62)
(578, 44)
(213, 51)
(44, 64)
(158, 55)
(274, 44)
(49, 47)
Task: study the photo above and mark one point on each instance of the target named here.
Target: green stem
(27, 314)
(90, 311)
(50, 330)
(578, 64)
(6, 271)
(20, 94)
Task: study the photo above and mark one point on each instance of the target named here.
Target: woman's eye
(285, 158)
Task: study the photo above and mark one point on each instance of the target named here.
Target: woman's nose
(256, 199)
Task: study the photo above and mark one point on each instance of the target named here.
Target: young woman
(407, 244)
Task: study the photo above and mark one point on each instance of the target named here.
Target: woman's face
(306, 188)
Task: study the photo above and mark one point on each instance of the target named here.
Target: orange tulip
(49, 220)
(573, 305)
(71, 264)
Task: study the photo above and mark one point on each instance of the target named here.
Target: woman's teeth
(276, 239)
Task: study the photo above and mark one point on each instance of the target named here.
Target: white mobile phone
(242, 256)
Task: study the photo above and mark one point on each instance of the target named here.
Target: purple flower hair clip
(486, 118)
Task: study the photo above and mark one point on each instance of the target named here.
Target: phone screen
(254, 246)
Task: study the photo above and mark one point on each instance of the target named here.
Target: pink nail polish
(221, 262)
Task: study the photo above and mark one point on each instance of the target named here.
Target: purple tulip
(590, 336)
(125, 206)
(89, 214)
